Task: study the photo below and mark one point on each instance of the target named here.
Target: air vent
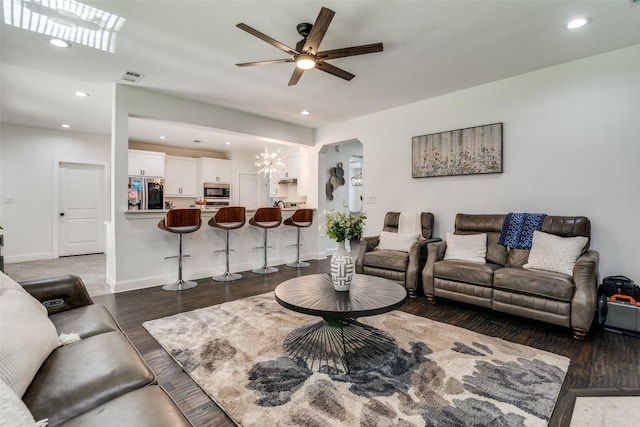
(131, 76)
(634, 3)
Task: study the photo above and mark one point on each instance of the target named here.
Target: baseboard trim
(9, 259)
(151, 281)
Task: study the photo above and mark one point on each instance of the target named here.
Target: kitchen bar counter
(206, 213)
(206, 247)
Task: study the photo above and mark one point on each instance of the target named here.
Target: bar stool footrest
(177, 256)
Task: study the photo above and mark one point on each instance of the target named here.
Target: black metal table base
(340, 346)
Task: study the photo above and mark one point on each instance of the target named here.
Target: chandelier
(269, 163)
(356, 180)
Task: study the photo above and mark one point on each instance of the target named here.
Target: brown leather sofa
(402, 267)
(502, 284)
(100, 380)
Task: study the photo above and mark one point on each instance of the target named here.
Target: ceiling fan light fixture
(305, 61)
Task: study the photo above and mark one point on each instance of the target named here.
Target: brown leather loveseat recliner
(502, 283)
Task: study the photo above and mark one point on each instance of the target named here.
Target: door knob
(61, 213)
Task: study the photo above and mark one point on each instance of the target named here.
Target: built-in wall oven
(216, 194)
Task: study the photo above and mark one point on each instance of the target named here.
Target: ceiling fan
(306, 54)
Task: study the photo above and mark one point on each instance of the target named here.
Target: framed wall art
(470, 151)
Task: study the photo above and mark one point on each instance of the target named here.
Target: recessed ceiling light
(305, 112)
(60, 43)
(162, 137)
(577, 23)
(65, 125)
(81, 94)
(227, 143)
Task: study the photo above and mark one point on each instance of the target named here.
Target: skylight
(65, 19)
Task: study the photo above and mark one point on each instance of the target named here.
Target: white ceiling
(190, 48)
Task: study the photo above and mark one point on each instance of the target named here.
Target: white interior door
(81, 209)
(248, 190)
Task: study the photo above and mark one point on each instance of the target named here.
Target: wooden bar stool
(301, 218)
(180, 221)
(266, 218)
(228, 218)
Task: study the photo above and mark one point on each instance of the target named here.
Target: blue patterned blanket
(517, 229)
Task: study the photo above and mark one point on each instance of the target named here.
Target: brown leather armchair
(402, 267)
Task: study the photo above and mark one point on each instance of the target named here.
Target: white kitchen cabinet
(292, 167)
(146, 163)
(273, 185)
(275, 189)
(181, 177)
(303, 177)
(215, 170)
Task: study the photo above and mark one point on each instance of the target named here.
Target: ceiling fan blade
(272, 61)
(266, 38)
(318, 30)
(297, 73)
(350, 51)
(332, 69)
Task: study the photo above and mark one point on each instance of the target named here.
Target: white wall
(28, 159)
(571, 147)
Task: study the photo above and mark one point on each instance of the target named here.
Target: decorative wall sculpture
(476, 150)
(336, 179)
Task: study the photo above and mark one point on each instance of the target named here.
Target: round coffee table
(339, 343)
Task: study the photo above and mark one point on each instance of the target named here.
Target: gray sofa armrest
(367, 244)
(59, 294)
(435, 252)
(417, 260)
(583, 303)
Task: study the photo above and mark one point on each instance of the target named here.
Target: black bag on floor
(619, 285)
(619, 305)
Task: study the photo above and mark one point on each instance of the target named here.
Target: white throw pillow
(466, 247)
(7, 282)
(396, 241)
(27, 336)
(554, 253)
(13, 410)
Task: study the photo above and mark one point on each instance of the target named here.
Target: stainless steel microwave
(216, 191)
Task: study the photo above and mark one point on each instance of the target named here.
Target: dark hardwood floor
(606, 363)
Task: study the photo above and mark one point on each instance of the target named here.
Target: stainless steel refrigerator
(146, 193)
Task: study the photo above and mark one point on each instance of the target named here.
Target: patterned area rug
(442, 376)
